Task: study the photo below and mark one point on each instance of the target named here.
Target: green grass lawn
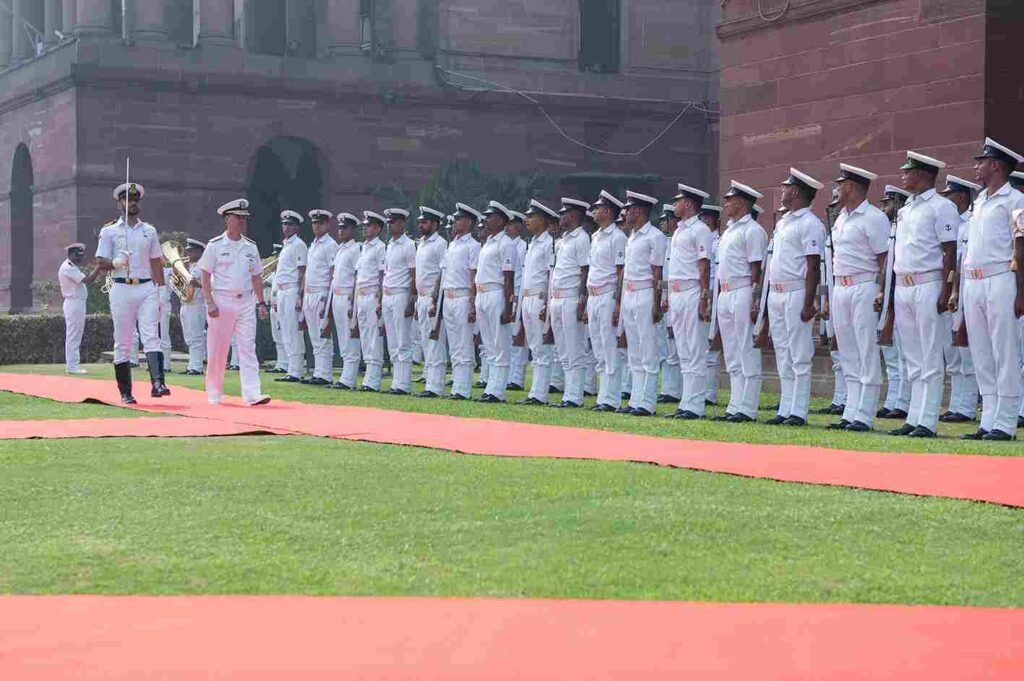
(312, 516)
(23, 408)
(700, 430)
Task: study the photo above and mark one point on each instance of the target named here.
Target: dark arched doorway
(22, 230)
(285, 173)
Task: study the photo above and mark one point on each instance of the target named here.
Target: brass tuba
(269, 267)
(181, 278)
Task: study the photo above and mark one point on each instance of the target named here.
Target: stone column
(147, 21)
(22, 44)
(52, 20)
(6, 36)
(216, 22)
(70, 8)
(93, 17)
(340, 27)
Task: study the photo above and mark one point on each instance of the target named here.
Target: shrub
(39, 339)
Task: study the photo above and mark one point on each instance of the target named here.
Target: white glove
(121, 261)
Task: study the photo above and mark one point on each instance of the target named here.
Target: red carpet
(271, 637)
(123, 427)
(982, 478)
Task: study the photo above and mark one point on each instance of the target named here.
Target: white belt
(312, 290)
(366, 290)
(285, 286)
(787, 286)
(342, 290)
(457, 293)
(735, 284)
(425, 291)
(918, 278)
(487, 288)
(389, 291)
(637, 285)
(854, 279)
(561, 293)
(986, 271)
(534, 292)
(232, 294)
(601, 290)
(680, 285)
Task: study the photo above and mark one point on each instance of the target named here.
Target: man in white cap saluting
(604, 289)
(74, 289)
(458, 288)
(193, 312)
(567, 299)
(130, 250)
(399, 299)
(793, 276)
(429, 255)
(860, 245)
(369, 279)
(924, 265)
(688, 299)
(640, 307)
(343, 296)
(231, 273)
(495, 285)
(741, 252)
(993, 296)
(320, 259)
(532, 311)
(963, 395)
(290, 281)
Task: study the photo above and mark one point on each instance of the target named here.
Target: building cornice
(798, 11)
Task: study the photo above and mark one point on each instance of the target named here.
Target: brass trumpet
(181, 278)
(108, 283)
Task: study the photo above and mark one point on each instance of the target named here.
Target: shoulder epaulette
(249, 240)
(111, 223)
(216, 238)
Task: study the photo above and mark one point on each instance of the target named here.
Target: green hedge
(39, 339)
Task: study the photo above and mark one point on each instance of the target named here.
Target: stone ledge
(798, 11)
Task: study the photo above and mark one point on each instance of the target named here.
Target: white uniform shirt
(961, 234)
(370, 263)
(197, 276)
(714, 254)
(399, 258)
(497, 256)
(607, 254)
(743, 242)
(429, 256)
(231, 264)
(990, 233)
(71, 278)
(294, 254)
(540, 258)
(140, 240)
(858, 238)
(165, 290)
(462, 255)
(345, 259)
(925, 222)
(797, 235)
(690, 243)
(320, 258)
(571, 253)
(520, 260)
(645, 248)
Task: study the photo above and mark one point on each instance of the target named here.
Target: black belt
(131, 282)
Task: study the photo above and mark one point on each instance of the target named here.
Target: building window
(267, 26)
(366, 25)
(599, 36)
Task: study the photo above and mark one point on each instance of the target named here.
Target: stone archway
(22, 230)
(284, 173)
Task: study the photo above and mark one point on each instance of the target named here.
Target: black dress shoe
(666, 399)
(480, 384)
(826, 410)
(837, 409)
(552, 390)
(1020, 421)
(304, 380)
(896, 414)
(882, 413)
(740, 418)
(774, 407)
(689, 416)
(318, 381)
(842, 425)
(626, 396)
(455, 397)
(128, 399)
(193, 372)
(233, 367)
(640, 411)
(997, 436)
(724, 417)
(710, 403)
(488, 399)
(958, 418)
(858, 427)
(566, 404)
(624, 410)
(921, 431)
(905, 429)
(531, 402)
(513, 386)
(587, 393)
(396, 391)
(427, 394)
(795, 421)
(776, 420)
(341, 386)
(977, 435)
(602, 408)
(368, 389)
(288, 379)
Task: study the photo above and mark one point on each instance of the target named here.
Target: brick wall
(857, 82)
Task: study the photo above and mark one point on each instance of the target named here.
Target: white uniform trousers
(1021, 412)
(742, 359)
(165, 326)
(963, 388)
(670, 378)
(281, 360)
(348, 347)
(193, 325)
(691, 341)
(589, 364)
(994, 335)
(370, 339)
(131, 305)
(897, 395)
(289, 317)
(398, 329)
(838, 379)
(236, 318)
(604, 340)
(74, 327)
(495, 340)
(856, 327)
(314, 309)
(459, 336)
(518, 356)
(794, 350)
(542, 355)
(922, 337)
(435, 352)
(571, 340)
(712, 367)
(557, 374)
(642, 342)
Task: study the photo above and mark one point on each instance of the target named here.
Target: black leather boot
(123, 374)
(156, 373)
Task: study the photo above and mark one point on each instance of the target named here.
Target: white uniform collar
(648, 226)
(859, 209)
(370, 242)
(463, 237)
(924, 196)
(745, 218)
(1002, 191)
(798, 212)
(323, 236)
(293, 237)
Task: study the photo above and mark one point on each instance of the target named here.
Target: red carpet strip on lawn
(282, 637)
(123, 427)
(993, 479)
